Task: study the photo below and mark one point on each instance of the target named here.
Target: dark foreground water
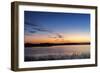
(57, 52)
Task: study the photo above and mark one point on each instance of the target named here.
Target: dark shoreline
(53, 44)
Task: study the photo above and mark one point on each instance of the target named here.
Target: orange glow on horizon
(65, 39)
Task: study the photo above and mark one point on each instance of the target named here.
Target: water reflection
(57, 52)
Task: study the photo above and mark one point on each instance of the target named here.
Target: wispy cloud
(32, 28)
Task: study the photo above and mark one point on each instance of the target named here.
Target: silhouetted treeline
(53, 44)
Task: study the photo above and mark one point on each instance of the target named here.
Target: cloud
(59, 35)
(31, 24)
(32, 28)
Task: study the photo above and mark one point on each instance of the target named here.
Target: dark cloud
(59, 35)
(30, 24)
(34, 28)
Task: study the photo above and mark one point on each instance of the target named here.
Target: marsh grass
(56, 57)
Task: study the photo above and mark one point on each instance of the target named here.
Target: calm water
(57, 52)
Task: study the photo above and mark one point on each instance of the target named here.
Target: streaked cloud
(32, 28)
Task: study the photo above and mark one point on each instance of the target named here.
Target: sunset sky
(52, 27)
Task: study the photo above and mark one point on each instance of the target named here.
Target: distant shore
(53, 44)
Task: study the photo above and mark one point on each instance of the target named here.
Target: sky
(56, 27)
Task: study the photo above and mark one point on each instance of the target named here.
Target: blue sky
(60, 23)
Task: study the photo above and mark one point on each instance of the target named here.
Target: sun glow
(65, 39)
